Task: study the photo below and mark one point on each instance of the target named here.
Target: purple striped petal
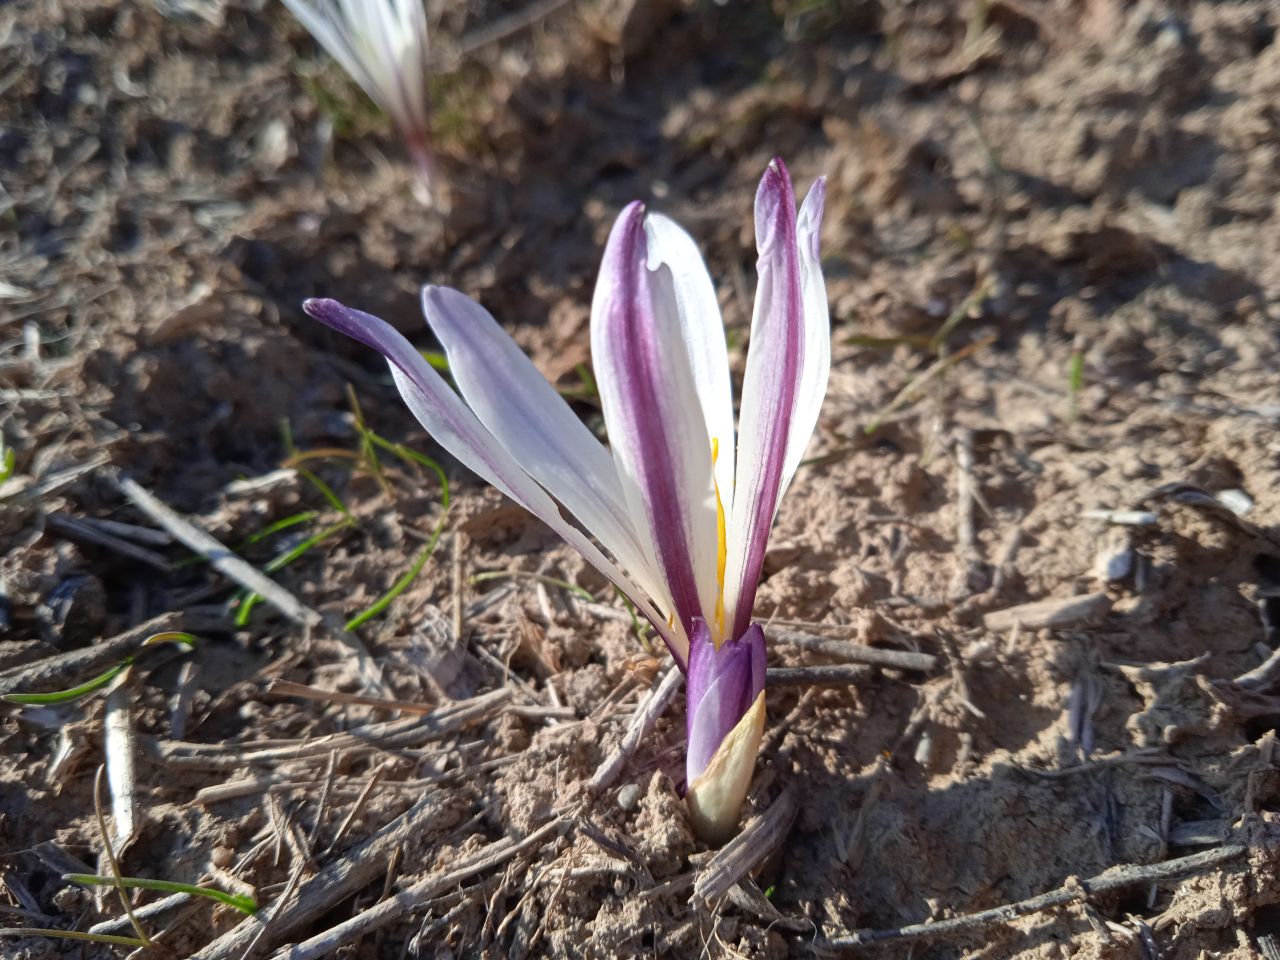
(653, 414)
(452, 425)
(721, 686)
(786, 365)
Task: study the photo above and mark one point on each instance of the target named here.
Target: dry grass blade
(120, 745)
(914, 386)
(287, 688)
(321, 893)
(227, 563)
(398, 733)
(83, 530)
(395, 907)
(111, 857)
(641, 726)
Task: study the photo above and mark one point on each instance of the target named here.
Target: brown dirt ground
(1104, 174)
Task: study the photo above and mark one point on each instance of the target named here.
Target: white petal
(786, 376)
(535, 425)
(816, 361)
(382, 45)
(702, 332)
(458, 430)
(654, 417)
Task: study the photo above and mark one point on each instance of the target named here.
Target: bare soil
(1052, 247)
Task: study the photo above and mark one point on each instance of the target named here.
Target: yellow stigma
(722, 550)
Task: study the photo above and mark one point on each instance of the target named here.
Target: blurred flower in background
(382, 45)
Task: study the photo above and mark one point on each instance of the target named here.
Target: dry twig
(1113, 878)
(335, 883)
(856, 652)
(642, 722)
(393, 908)
(229, 565)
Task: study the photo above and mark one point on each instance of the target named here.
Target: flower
(682, 511)
(382, 44)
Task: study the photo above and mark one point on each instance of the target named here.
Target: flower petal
(654, 416)
(720, 687)
(815, 360)
(536, 426)
(786, 377)
(458, 430)
(382, 45)
(702, 332)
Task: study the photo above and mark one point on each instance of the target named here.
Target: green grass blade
(238, 901)
(939, 342)
(400, 585)
(73, 693)
(272, 529)
(326, 491)
(98, 682)
(437, 360)
(8, 459)
(286, 558)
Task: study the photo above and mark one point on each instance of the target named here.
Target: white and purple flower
(681, 511)
(382, 44)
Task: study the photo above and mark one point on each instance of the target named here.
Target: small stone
(629, 797)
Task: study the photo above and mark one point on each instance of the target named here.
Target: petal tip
(324, 309)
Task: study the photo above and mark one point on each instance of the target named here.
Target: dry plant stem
(1058, 612)
(111, 857)
(509, 25)
(65, 668)
(398, 733)
(1114, 878)
(53, 482)
(78, 529)
(120, 746)
(835, 675)
(335, 883)
(228, 564)
(409, 899)
(855, 652)
(642, 723)
(741, 854)
(287, 688)
(966, 497)
(148, 912)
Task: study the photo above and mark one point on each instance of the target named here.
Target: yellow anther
(722, 548)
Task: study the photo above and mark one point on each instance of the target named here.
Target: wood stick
(832, 675)
(339, 880)
(1057, 612)
(642, 722)
(225, 561)
(1113, 878)
(855, 652)
(409, 899)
